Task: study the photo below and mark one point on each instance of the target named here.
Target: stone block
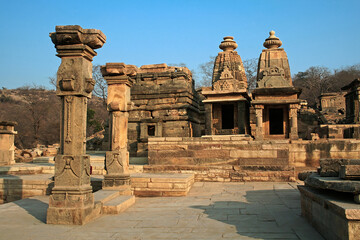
(333, 217)
(160, 185)
(350, 172)
(253, 154)
(139, 184)
(331, 167)
(180, 185)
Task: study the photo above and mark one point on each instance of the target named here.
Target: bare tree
(250, 66)
(205, 72)
(52, 80)
(100, 89)
(313, 82)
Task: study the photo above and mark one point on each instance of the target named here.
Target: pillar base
(72, 207)
(259, 134)
(119, 182)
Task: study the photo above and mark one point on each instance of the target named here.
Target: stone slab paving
(210, 211)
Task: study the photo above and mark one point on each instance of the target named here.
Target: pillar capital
(74, 34)
(8, 127)
(75, 46)
(119, 73)
(259, 106)
(294, 106)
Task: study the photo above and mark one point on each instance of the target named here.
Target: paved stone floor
(210, 211)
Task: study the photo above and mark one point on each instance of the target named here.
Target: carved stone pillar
(259, 131)
(7, 147)
(208, 119)
(293, 108)
(71, 200)
(119, 83)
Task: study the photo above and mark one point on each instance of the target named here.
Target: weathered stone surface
(334, 216)
(333, 183)
(71, 200)
(350, 172)
(331, 167)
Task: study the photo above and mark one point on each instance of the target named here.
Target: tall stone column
(293, 108)
(71, 200)
(119, 83)
(7, 147)
(259, 131)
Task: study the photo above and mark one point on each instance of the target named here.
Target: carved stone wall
(165, 104)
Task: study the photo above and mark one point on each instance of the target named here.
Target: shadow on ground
(262, 214)
(34, 207)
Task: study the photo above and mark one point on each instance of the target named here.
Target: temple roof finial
(272, 41)
(228, 44)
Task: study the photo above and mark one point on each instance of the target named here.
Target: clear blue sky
(314, 33)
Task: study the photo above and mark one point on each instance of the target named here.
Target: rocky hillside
(37, 112)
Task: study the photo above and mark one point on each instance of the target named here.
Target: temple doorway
(276, 121)
(227, 116)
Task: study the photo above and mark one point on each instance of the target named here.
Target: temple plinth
(118, 77)
(275, 99)
(227, 101)
(71, 200)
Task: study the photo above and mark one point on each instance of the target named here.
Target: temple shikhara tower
(227, 101)
(275, 99)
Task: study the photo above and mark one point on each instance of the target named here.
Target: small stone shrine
(165, 105)
(7, 147)
(227, 101)
(352, 101)
(72, 200)
(275, 99)
(118, 78)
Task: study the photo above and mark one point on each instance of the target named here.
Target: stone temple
(220, 133)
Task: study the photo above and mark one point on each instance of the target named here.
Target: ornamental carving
(272, 77)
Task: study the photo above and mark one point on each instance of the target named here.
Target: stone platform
(161, 185)
(211, 210)
(16, 187)
(334, 215)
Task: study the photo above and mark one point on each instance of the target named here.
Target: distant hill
(37, 112)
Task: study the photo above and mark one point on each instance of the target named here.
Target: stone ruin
(7, 147)
(220, 133)
(165, 104)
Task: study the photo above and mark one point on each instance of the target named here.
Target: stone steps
(118, 204)
(105, 195)
(113, 201)
(161, 184)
